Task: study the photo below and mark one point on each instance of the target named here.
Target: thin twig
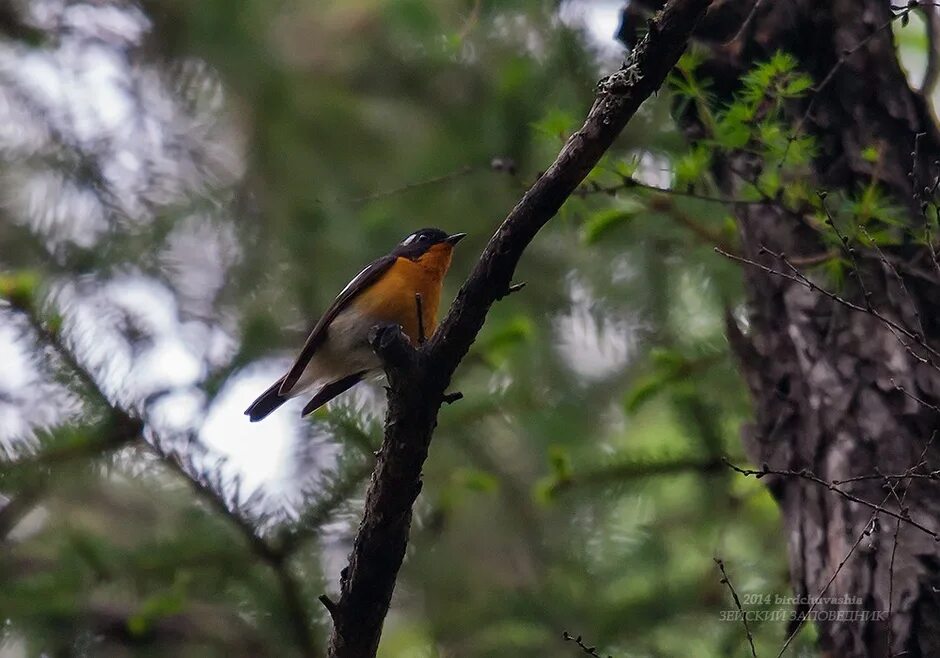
(916, 399)
(586, 648)
(419, 309)
(629, 182)
(897, 275)
(726, 580)
(903, 515)
(894, 546)
(848, 250)
(805, 474)
(800, 278)
(894, 550)
(444, 178)
(747, 21)
(869, 528)
(514, 288)
(798, 129)
(921, 197)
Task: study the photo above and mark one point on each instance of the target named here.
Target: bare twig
(578, 640)
(798, 277)
(848, 250)
(515, 287)
(922, 195)
(913, 397)
(746, 22)
(894, 546)
(725, 580)
(419, 309)
(869, 528)
(897, 275)
(808, 475)
(903, 515)
(629, 183)
(894, 550)
(444, 178)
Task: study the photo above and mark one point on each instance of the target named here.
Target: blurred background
(184, 186)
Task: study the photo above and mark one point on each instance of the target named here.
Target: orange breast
(392, 298)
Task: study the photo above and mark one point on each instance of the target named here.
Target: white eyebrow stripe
(407, 241)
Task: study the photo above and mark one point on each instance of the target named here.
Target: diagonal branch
(418, 378)
(126, 426)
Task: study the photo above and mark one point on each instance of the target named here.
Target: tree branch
(418, 378)
(635, 470)
(125, 427)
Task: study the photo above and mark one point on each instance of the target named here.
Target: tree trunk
(822, 376)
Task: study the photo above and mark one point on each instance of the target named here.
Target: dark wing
(361, 281)
(331, 390)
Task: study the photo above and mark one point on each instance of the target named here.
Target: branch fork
(418, 378)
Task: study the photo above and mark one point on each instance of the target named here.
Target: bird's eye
(422, 238)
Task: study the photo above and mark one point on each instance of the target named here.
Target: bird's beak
(455, 238)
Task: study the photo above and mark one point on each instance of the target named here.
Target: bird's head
(432, 243)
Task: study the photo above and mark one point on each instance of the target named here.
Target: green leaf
(797, 86)
(560, 462)
(625, 168)
(645, 389)
(475, 480)
(162, 604)
(556, 124)
(19, 288)
(663, 357)
(691, 167)
(602, 222)
(499, 340)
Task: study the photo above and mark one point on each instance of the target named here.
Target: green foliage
(669, 367)
(343, 126)
(596, 227)
(692, 166)
(556, 124)
(19, 288)
(754, 122)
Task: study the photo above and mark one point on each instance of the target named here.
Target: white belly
(344, 352)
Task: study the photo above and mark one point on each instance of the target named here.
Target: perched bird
(337, 354)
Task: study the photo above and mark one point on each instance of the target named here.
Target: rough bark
(418, 378)
(821, 375)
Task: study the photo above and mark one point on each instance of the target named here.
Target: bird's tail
(266, 402)
(331, 390)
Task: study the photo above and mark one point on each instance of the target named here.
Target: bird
(337, 354)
